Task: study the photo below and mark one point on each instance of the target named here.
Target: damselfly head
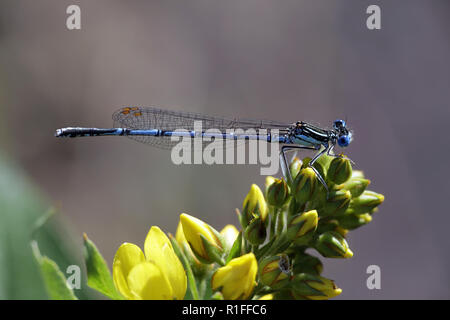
(344, 136)
(344, 140)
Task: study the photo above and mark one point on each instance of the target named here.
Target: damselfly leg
(283, 159)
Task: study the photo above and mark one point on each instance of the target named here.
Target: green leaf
(235, 250)
(21, 206)
(99, 276)
(54, 279)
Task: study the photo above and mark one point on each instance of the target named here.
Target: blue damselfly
(156, 127)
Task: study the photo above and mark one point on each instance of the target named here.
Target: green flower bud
(333, 245)
(256, 231)
(353, 221)
(295, 167)
(337, 203)
(323, 163)
(277, 193)
(305, 263)
(274, 271)
(356, 186)
(254, 206)
(312, 287)
(320, 165)
(302, 226)
(366, 202)
(340, 170)
(295, 207)
(305, 185)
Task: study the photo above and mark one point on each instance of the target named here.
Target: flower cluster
(267, 259)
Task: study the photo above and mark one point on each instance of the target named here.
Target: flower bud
(295, 207)
(353, 221)
(333, 245)
(254, 206)
(305, 185)
(366, 202)
(277, 193)
(305, 263)
(197, 266)
(320, 165)
(340, 170)
(307, 286)
(356, 186)
(295, 167)
(302, 226)
(256, 232)
(204, 241)
(274, 271)
(337, 203)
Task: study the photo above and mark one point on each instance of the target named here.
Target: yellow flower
(236, 280)
(157, 275)
(229, 234)
(201, 237)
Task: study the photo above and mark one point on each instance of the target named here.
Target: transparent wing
(155, 118)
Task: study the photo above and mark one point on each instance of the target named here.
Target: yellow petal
(127, 256)
(229, 233)
(237, 278)
(159, 250)
(179, 235)
(148, 282)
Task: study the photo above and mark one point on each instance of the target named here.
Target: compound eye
(338, 124)
(343, 141)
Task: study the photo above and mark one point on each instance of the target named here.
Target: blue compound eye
(338, 124)
(343, 141)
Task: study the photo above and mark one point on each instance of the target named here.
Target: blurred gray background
(284, 60)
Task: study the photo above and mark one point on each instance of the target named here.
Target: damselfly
(157, 127)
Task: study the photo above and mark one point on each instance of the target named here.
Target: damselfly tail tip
(58, 133)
